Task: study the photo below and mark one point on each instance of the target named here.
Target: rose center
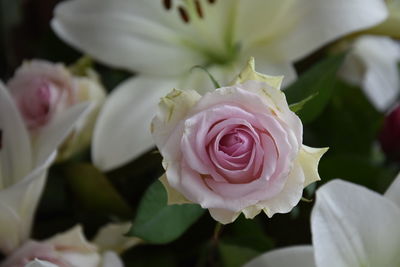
(236, 143)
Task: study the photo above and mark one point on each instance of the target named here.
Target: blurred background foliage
(338, 116)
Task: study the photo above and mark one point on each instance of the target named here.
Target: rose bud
(389, 136)
(235, 150)
(63, 250)
(43, 90)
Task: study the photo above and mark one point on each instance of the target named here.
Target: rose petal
(309, 158)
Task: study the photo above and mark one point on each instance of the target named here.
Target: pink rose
(236, 149)
(41, 89)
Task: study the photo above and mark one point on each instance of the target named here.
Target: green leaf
(160, 223)
(94, 191)
(321, 79)
(296, 107)
(248, 233)
(235, 256)
(357, 169)
(349, 124)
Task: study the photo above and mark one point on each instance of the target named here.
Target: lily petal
(299, 256)
(17, 207)
(306, 25)
(390, 26)
(16, 155)
(393, 192)
(353, 226)
(122, 131)
(126, 34)
(55, 132)
(372, 65)
(111, 259)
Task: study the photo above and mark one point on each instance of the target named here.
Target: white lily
(23, 167)
(372, 64)
(163, 40)
(351, 226)
(390, 26)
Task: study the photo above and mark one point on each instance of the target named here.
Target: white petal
(373, 65)
(17, 207)
(258, 19)
(55, 132)
(309, 158)
(16, 155)
(174, 197)
(300, 256)
(77, 250)
(74, 238)
(353, 226)
(171, 111)
(112, 237)
(111, 259)
(122, 131)
(76, 258)
(249, 73)
(40, 263)
(137, 35)
(223, 216)
(390, 27)
(267, 62)
(314, 23)
(270, 67)
(393, 192)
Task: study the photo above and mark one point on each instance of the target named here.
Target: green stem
(213, 80)
(217, 232)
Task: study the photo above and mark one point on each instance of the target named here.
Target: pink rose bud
(389, 136)
(32, 250)
(67, 249)
(235, 150)
(41, 89)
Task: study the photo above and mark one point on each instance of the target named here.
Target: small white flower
(372, 64)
